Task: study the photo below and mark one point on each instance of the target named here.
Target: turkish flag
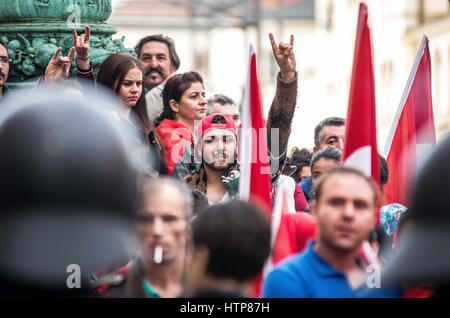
(255, 180)
(413, 133)
(360, 149)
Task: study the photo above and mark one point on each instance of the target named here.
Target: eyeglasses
(5, 60)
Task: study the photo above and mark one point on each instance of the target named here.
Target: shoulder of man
(286, 280)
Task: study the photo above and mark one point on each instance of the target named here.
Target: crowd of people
(144, 196)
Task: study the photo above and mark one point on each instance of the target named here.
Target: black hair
(384, 171)
(218, 119)
(300, 158)
(174, 89)
(111, 75)
(221, 99)
(329, 153)
(237, 236)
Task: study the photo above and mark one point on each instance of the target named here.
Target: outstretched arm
(82, 46)
(283, 105)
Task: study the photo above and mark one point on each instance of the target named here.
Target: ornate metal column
(33, 29)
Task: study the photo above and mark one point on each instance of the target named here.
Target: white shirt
(154, 102)
(226, 198)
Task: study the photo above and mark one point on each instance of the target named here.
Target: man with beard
(160, 59)
(217, 148)
(5, 62)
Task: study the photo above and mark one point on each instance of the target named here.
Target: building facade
(214, 41)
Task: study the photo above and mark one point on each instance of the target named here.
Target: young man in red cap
(217, 148)
(219, 178)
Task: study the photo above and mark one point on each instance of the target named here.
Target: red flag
(290, 232)
(413, 132)
(255, 181)
(360, 150)
(281, 246)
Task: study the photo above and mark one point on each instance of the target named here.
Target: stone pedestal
(33, 29)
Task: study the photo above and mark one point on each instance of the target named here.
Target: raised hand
(82, 42)
(82, 45)
(284, 54)
(59, 66)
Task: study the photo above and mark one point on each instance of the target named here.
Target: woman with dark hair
(123, 74)
(184, 103)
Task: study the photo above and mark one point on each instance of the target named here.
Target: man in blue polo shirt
(344, 205)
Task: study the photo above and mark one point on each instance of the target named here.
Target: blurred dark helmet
(423, 255)
(67, 194)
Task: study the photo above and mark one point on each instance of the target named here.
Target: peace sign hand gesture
(284, 54)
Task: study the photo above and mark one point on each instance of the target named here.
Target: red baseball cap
(226, 123)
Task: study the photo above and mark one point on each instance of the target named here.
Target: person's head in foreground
(344, 205)
(422, 256)
(68, 189)
(162, 221)
(230, 243)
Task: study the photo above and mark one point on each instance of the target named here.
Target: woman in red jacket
(184, 104)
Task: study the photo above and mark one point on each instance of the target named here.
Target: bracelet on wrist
(82, 58)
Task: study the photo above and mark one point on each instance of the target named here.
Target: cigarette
(158, 254)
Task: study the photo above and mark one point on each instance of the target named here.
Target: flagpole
(246, 137)
(405, 95)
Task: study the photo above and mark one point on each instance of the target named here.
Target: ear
(174, 106)
(315, 149)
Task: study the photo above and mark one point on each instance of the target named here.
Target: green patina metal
(33, 29)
